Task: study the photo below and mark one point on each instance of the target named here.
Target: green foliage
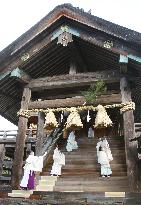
(94, 91)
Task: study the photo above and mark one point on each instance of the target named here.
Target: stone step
(48, 178)
(94, 142)
(91, 189)
(87, 170)
(92, 161)
(87, 166)
(20, 193)
(92, 178)
(44, 188)
(87, 142)
(93, 152)
(92, 183)
(46, 182)
(94, 173)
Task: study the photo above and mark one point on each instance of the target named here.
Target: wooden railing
(7, 137)
(8, 134)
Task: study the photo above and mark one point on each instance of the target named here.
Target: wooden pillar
(130, 147)
(40, 133)
(2, 155)
(20, 141)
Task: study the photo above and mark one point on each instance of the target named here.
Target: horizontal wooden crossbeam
(73, 102)
(79, 79)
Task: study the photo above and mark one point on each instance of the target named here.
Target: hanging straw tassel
(102, 119)
(74, 120)
(50, 121)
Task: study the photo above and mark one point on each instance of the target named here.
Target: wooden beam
(98, 38)
(2, 155)
(130, 147)
(40, 133)
(32, 45)
(15, 58)
(20, 141)
(20, 75)
(79, 79)
(76, 101)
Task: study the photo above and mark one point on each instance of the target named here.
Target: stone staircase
(82, 172)
(46, 183)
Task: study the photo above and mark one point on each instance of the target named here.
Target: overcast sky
(17, 16)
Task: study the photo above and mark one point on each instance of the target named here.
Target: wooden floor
(82, 172)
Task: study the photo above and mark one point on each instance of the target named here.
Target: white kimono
(104, 161)
(71, 142)
(33, 163)
(104, 157)
(59, 160)
(99, 144)
(106, 148)
(90, 133)
(29, 166)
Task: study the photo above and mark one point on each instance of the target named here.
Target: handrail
(51, 140)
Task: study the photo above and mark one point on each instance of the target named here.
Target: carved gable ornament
(108, 44)
(65, 37)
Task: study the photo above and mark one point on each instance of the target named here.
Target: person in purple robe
(33, 164)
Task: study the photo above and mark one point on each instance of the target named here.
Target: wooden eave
(46, 58)
(76, 15)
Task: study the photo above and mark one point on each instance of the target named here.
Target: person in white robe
(90, 133)
(104, 162)
(33, 164)
(106, 148)
(99, 144)
(59, 161)
(71, 142)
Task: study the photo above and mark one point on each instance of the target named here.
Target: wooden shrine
(49, 67)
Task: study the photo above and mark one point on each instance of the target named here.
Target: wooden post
(2, 155)
(130, 147)
(20, 141)
(40, 133)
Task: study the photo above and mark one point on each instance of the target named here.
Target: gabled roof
(75, 14)
(51, 59)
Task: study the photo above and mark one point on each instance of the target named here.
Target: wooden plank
(76, 101)
(20, 141)
(79, 79)
(130, 147)
(40, 133)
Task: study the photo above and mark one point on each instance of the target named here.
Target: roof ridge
(66, 8)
